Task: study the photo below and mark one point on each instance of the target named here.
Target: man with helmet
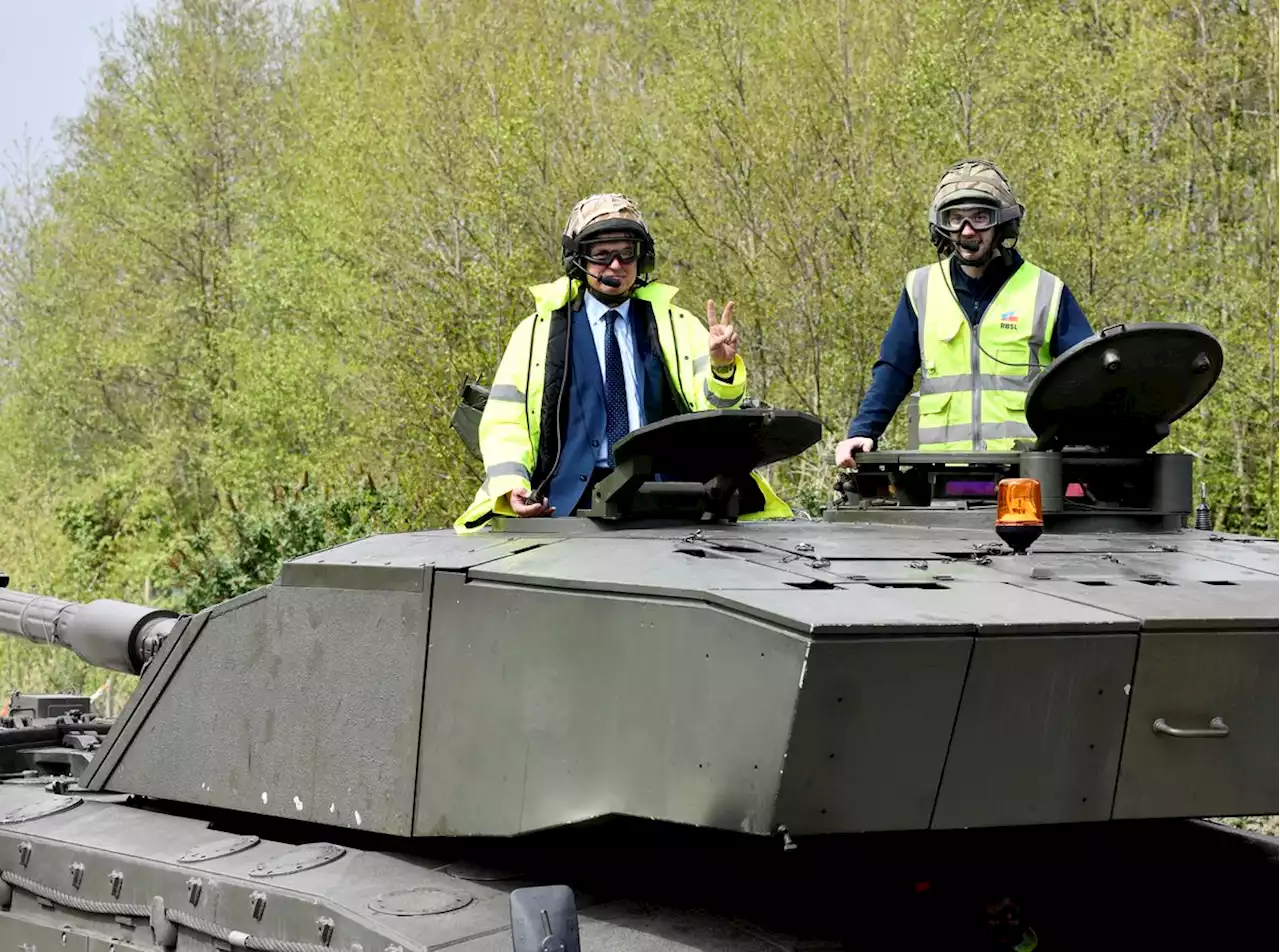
(605, 351)
(980, 325)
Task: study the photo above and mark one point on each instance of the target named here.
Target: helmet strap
(612, 300)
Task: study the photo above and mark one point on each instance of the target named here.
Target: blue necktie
(617, 423)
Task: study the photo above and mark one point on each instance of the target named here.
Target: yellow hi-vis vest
(973, 390)
(511, 425)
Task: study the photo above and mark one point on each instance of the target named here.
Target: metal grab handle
(1217, 728)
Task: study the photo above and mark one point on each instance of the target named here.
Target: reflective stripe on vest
(971, 400)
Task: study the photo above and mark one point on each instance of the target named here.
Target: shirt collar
(596, 309)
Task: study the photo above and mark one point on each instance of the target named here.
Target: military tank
(654, 724)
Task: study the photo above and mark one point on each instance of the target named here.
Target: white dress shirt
(596, 311)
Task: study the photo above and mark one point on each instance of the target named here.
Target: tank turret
(376, 749)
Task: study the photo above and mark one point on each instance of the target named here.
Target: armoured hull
(799, 718)
(104, 874)
(822, 678)
(719, 734)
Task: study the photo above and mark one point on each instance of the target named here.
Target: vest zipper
(975, 410)
(675, 343)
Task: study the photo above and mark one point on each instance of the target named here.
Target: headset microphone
(609, 281)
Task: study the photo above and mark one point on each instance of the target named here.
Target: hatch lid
(1122, 388)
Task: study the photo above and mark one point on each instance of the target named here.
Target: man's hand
(523, 507)
(847, 450)
(723, 343)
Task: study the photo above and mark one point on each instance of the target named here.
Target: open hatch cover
(700, 446)
(1122, 388)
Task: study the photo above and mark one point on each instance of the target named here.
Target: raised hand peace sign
(723, 342)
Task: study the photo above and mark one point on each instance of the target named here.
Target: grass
(1269, 825)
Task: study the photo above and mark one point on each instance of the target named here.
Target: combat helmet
(604, 214)
(980, 182)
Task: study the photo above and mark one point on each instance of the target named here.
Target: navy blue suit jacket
(585, 419)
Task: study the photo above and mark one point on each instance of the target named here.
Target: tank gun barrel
(107, 633)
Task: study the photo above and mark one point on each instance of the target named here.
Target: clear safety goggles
(979, 217)
(602, 256)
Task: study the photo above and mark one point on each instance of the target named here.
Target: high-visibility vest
(511, 425)
(973, 390)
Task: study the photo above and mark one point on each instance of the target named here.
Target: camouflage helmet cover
(606, 212)
(978, 181)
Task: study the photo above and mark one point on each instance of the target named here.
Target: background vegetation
(234, 319)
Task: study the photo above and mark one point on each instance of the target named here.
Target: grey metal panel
(544, 708)
(155, 681)
(1259, 554)
(1189, 678)
(27, 935)
(144, 846)
(103, 944)
(930, 519)
(923, 570)
(442, 548)
(1185, 567)
(863, 540)
(389, 578)
(1038, 736)
(965, 607)
(649, 566)
(1183, 607)
(854, 542)
(845, 541)
(1174, 566)
(871, 733)
(880, 541)
(150, 686)
(302, 705)
(1106, 542)
(152, 683)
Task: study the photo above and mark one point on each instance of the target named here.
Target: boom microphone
(609, 281)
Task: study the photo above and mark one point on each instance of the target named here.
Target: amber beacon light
(1019, 516)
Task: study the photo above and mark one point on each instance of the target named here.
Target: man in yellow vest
(980, 325)
(606, 351)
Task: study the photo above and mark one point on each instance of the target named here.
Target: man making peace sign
(723, 342)
(606, 351)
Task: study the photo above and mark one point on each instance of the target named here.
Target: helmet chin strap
(611, 299)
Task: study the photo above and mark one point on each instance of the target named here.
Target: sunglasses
(625, 255)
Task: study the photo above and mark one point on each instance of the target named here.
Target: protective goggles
(625, 255)
(979, 217)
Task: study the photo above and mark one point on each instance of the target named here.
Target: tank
(656, 724)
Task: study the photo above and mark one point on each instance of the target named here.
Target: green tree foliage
(280, 238)
(211, 566)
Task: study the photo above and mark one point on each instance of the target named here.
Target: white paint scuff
(297, 803)
(358, 820)
(264, 797)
